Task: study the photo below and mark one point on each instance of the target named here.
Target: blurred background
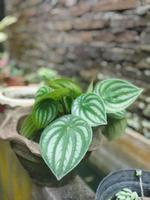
(86, 40)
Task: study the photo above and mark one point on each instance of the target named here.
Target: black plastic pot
(118, 180)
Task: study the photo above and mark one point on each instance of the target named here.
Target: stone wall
(86, 38)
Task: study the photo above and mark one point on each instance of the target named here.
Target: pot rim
(9, 131)
(17, 91)
(113, 173)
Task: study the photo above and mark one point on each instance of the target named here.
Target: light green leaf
(28, 128)
(66, 83)
(117, 94)
(44, 112)
(43, 91)
(91, 108)
(115, 128)
(64, 143)
(117, 115)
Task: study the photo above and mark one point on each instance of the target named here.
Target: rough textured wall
(86, 38)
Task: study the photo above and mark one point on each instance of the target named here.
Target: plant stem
(141, 187)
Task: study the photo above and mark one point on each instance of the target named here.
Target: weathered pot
(18, 96)
(28, 152)
(119, 180)
(130, 151)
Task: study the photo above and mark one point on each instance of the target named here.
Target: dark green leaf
(28, 128)
(117, 115)
(56, 95)
(44, 112)
(115, 128)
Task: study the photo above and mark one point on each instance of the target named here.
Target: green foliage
(64, 143)
(126, 194)
(115, 128)
(28, 128)
(66, 116)
(117, 94)
(75, 89)
(117, 115)
(42, 91)
(91, 108)
(44, 112)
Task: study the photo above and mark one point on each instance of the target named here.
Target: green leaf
(66, 83)
(117, 94)
(43, 91)
(91, 108)
(56, 95)
(68, 103)
(44, 112)
(64, 143)
(28, 128)
(117, 115)
(115, 128)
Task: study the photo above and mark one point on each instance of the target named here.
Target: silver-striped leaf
(64, 143)
(117, 94)
(28, 128)
(44, 112)
(43, 91)
(91, 108)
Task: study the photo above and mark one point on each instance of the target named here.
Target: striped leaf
(91, 108)
(44, 112)
(66, 83)
(28, 128)
(115, 128)
(56, 95)
(64, 143)
(42, 91)
(117, 94)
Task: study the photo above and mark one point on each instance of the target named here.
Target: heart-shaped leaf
(66, 83)
(64, 143)
(117, 94)
(91, 108)
(28, 128)
(44, 112)
(42, 91)
(115, 128)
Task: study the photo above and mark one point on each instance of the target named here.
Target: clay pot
(121, 179)
(28, 152)
(18, 96)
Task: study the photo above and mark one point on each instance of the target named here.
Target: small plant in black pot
(127, 184)
(63, 117)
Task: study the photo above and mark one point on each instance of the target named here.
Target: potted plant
(53, 136)
(129, 184)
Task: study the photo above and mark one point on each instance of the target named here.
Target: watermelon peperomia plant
(65, 116)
